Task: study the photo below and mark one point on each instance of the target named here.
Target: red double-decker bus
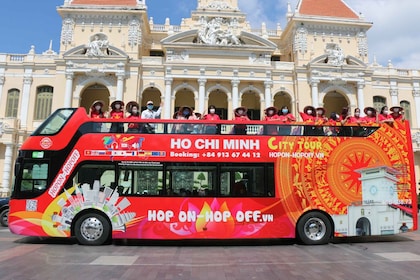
(102, 179)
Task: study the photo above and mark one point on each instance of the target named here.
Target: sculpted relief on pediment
(219, 31)
(97, 47)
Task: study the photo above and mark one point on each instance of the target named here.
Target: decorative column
(360, 95)
(7, 168)
(69, 90)
(416, 94)
(2, 79)
(201, 94)
(314, 86)
(268, 85)
(168, 95)
(120, 85)
(394, 96)
(235, 93)
(24, 108)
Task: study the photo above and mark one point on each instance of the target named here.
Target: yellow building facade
(112, 50)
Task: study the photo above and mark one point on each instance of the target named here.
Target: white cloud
(394, 35)
(258, 11)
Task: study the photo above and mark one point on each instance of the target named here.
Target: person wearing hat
(117, 113)
(96, 110)
(240, 116)
(308, 115)
(271, 115)
(149, 113)
(117, 110)
(370, 117)
(397, 113)
(184, 113)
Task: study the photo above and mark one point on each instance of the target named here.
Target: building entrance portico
(93, 93)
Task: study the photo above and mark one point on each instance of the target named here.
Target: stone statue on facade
(335, 54)
(97, 47)
(212, 34)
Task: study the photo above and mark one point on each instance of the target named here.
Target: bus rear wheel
(314, 228)
(92, 229)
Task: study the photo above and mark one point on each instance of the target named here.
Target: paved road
(391, 257)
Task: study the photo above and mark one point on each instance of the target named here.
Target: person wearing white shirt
(149, 113)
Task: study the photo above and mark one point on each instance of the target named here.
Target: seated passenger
(239, 189)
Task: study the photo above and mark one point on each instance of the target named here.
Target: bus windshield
(55, 122)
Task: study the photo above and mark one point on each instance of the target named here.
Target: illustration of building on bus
(381, 211)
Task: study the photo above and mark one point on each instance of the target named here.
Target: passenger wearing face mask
(184, 113)
(397, 113)
(371, 117)
(286, 118)
(211, 116)
(96, 110)
(308, 115)
(354, 121)
(240, 116)
(271, 116)
(117, 113)
(133, 109)
(149, 113)
(384, 116)
(320, 118)
(97, 113)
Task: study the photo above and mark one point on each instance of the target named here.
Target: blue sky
(394, 35)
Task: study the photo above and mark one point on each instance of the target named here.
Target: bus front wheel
(92, 229)
(314, 228)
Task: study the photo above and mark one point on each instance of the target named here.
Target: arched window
(379, 102)
(407, 109)
(12, 103)
(43, 102)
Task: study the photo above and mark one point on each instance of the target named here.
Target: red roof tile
(329, 8)
(132, 3)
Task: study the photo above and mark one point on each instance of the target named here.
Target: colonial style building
(112, 50)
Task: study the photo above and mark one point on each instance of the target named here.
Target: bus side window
(140, 180)
(251, 180)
